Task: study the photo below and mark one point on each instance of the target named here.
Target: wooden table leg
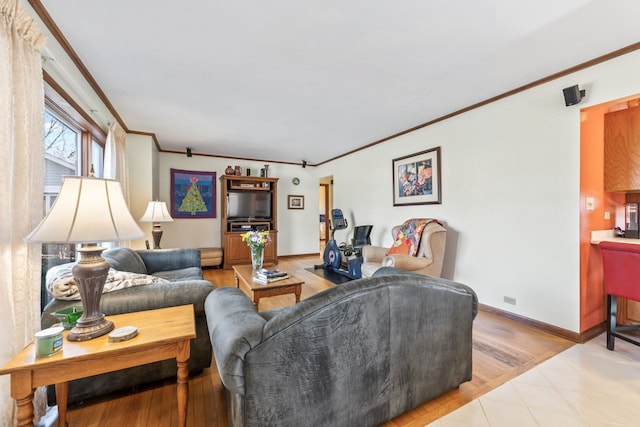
(182, 358)
(62, 395)
(298, 291)
(22, 392)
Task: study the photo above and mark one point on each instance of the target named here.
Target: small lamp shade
(88, 210)
(156, 212)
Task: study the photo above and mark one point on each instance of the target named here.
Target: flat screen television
(249, 206)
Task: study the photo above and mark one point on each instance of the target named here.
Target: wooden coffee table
(257, 290)
(162, 334)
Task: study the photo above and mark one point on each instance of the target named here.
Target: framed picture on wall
(416, 178)
(193, 194)
(295, 202)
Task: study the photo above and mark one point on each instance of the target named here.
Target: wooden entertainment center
(232, 227)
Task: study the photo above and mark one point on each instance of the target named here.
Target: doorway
(325, 204)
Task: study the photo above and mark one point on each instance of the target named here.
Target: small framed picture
(416, 178)
(295, 202)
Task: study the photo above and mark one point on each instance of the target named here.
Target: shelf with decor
(248, 204)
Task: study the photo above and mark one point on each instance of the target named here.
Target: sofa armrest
(406, 262)
(169, 259)
(373, 253)
(235, 327)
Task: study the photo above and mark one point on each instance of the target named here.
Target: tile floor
(586, 385)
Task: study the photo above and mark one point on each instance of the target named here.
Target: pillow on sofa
(408, 238)
(125, 259)
(400, 246)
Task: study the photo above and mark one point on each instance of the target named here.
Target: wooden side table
(244, 281)
(162, 334)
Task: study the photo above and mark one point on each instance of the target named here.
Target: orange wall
(592, 296)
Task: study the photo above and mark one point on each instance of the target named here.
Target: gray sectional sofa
(357, 354)
(186, 286)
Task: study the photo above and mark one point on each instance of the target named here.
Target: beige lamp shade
(156, 212)
(87, 210)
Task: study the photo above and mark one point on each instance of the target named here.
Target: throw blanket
(408, 238)
(62, 285)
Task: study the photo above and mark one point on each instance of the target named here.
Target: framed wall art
(295, 202)
(416, 178)
(193, 194)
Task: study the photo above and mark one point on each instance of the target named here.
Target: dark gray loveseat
(186, 286)
(357, 354)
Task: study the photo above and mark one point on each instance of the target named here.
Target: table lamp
(88, 210)
(156, 213)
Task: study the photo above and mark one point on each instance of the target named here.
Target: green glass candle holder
(69, 316)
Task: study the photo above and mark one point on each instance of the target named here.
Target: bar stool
(621, 268)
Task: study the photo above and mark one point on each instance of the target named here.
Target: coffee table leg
(298, 291)
(182, 358)
(62, 395)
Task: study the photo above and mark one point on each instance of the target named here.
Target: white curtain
(115, 166)
(115, 153)
(21, 185)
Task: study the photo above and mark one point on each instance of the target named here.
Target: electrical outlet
(509, 300)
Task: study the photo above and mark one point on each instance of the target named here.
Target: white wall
(510, 194)
(141, 156)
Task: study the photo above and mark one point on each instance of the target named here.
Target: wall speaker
(572, 95)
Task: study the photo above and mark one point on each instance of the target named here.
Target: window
(72, 144)
(97, 158)
(61, 149)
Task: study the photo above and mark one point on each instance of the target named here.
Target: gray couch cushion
(125, 259)
(180, 275)
(169, 259)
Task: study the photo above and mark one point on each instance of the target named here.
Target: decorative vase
(257, 256)
(229, 170)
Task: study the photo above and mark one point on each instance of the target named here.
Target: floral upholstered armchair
(418, 246)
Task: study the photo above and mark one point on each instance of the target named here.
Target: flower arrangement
(256, 239)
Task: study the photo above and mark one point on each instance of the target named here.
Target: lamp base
(90, 273)
(90, 329)
(156, 232)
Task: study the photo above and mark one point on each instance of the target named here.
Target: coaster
(123, 334)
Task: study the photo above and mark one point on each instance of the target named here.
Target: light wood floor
(502, 349)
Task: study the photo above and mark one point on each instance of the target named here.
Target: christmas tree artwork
(193, 201)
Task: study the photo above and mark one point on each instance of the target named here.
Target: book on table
(268, 276)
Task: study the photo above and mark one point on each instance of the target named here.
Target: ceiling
(291, 80)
